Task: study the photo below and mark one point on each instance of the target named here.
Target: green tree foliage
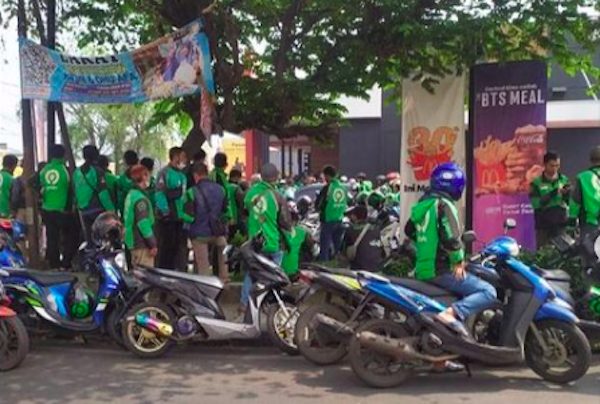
(281, 65)
(114, 129)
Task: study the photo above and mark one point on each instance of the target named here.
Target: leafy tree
(281, 65)
(114, 129)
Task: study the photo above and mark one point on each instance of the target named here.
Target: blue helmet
(449, 178)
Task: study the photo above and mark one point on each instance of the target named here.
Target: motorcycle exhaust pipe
(400, 348)
(156, 326)
(332, 326)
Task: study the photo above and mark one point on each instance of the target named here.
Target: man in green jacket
(9, 163)
(57, 210)
(148, 162)
(235, 197)
(584, 205)
(91, 191)
(138, 219)
(549, 195)
(111, 179)
(124, 182)
(268, 214)
(171, 185)
(331, 203)
(435, 228)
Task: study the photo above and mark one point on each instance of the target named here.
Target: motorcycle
(53, 301)
(11, 231)
(535, 326)
(14, 340)
(188, 309)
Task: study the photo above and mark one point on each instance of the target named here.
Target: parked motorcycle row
(386, 326)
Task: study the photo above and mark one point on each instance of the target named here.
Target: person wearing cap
(138, 219)
(331, 204)
(269, 216)
(584, 204)
(549, 195)
(205, 212)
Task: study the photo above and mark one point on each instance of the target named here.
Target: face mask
(181, 166)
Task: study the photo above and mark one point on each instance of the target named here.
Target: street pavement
(71, 372)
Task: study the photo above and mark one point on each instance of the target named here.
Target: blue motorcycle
(11, 231)
(535, 326)
(55, 301)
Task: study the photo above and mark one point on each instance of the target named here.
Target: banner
(509, 132)
(175, 65)
(432, 134)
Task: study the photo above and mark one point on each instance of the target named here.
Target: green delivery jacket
(295, 240)
(6, 181)
(434, 226)
(549, 203)
(169, 196)
(332, 202)
(267, 213)
(585, 198)
(138, 219)
(219, 176)
(91, 191)
(55, 185)
(123, 186)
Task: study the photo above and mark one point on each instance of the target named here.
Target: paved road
(63, 372)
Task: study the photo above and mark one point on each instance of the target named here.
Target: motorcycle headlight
(514, 250)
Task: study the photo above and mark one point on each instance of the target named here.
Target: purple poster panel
(509, 128)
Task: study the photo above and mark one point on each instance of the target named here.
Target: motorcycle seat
(211, 281)
(424, 288)
(554, 274)
(44, 278)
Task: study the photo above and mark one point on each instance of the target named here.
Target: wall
(360, 147)
(574, 147)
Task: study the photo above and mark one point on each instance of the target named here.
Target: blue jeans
(247, 286)
(331, 235)
(477, 294)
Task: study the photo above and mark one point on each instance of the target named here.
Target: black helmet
(107, 229)
(303, 205)
(380, 180)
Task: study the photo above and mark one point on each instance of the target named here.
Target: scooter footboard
(488, 354)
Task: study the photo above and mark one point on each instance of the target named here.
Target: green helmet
(376, 200)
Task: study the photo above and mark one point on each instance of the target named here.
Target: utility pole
(51, 39)
(28, 159)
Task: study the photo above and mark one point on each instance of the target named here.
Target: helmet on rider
(380, 180)
(450, 179)
(376, 200)
(303, 205)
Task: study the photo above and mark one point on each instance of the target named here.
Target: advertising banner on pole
(509, 136)
(175, 65)
(432, 134)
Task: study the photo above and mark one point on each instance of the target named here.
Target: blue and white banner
(175, 65)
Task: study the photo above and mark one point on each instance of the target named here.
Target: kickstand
(468, 370)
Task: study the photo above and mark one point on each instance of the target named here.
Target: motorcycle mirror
(469, 237)
(227, 249)
(510, 224)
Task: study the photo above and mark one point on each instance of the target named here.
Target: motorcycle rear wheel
(14, 343)
(569, 354)
(313, 348)
(144, 343)
(375, 369)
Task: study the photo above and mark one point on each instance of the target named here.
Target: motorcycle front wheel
(14, 343)
(567, 355)
(142, 342)
(376, 369)
(281, 325)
